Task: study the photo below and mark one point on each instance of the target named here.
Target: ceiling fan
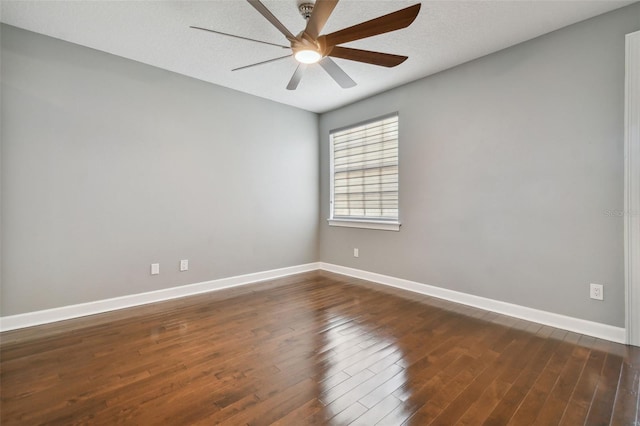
(309, 47)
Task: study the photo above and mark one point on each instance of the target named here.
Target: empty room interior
(320, 212)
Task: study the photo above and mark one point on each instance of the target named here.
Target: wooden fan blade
(260, 63)
(321, 12)
(296, 77)
(240, 37)
(367, 56)
(337, 73)
(384, 24)
(271, 18)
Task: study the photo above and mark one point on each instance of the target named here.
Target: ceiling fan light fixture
(307, 56)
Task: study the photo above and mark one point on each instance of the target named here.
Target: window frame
(365, 223)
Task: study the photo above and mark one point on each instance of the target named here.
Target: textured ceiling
(445, 34)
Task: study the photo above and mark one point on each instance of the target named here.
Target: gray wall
(509, 165)
(109, 165)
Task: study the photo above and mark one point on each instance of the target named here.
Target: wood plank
(578, 407)
(552, 410)
(601, 409)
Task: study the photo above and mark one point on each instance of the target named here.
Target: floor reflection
(361, 368)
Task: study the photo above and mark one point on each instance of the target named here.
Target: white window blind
(365, 171)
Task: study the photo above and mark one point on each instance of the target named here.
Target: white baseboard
(590, 328)
(30, 319)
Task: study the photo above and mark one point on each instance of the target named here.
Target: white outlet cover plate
(596, 291)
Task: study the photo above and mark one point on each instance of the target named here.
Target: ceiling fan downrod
(305, 7)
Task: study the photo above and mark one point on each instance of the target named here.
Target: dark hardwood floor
(315, 348)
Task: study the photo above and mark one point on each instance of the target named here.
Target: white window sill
(366, 224)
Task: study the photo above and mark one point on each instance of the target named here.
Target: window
(364, 175)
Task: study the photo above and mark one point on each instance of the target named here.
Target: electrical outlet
(184, 265)
(155, 268)
(356, 252)
(596, 291)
